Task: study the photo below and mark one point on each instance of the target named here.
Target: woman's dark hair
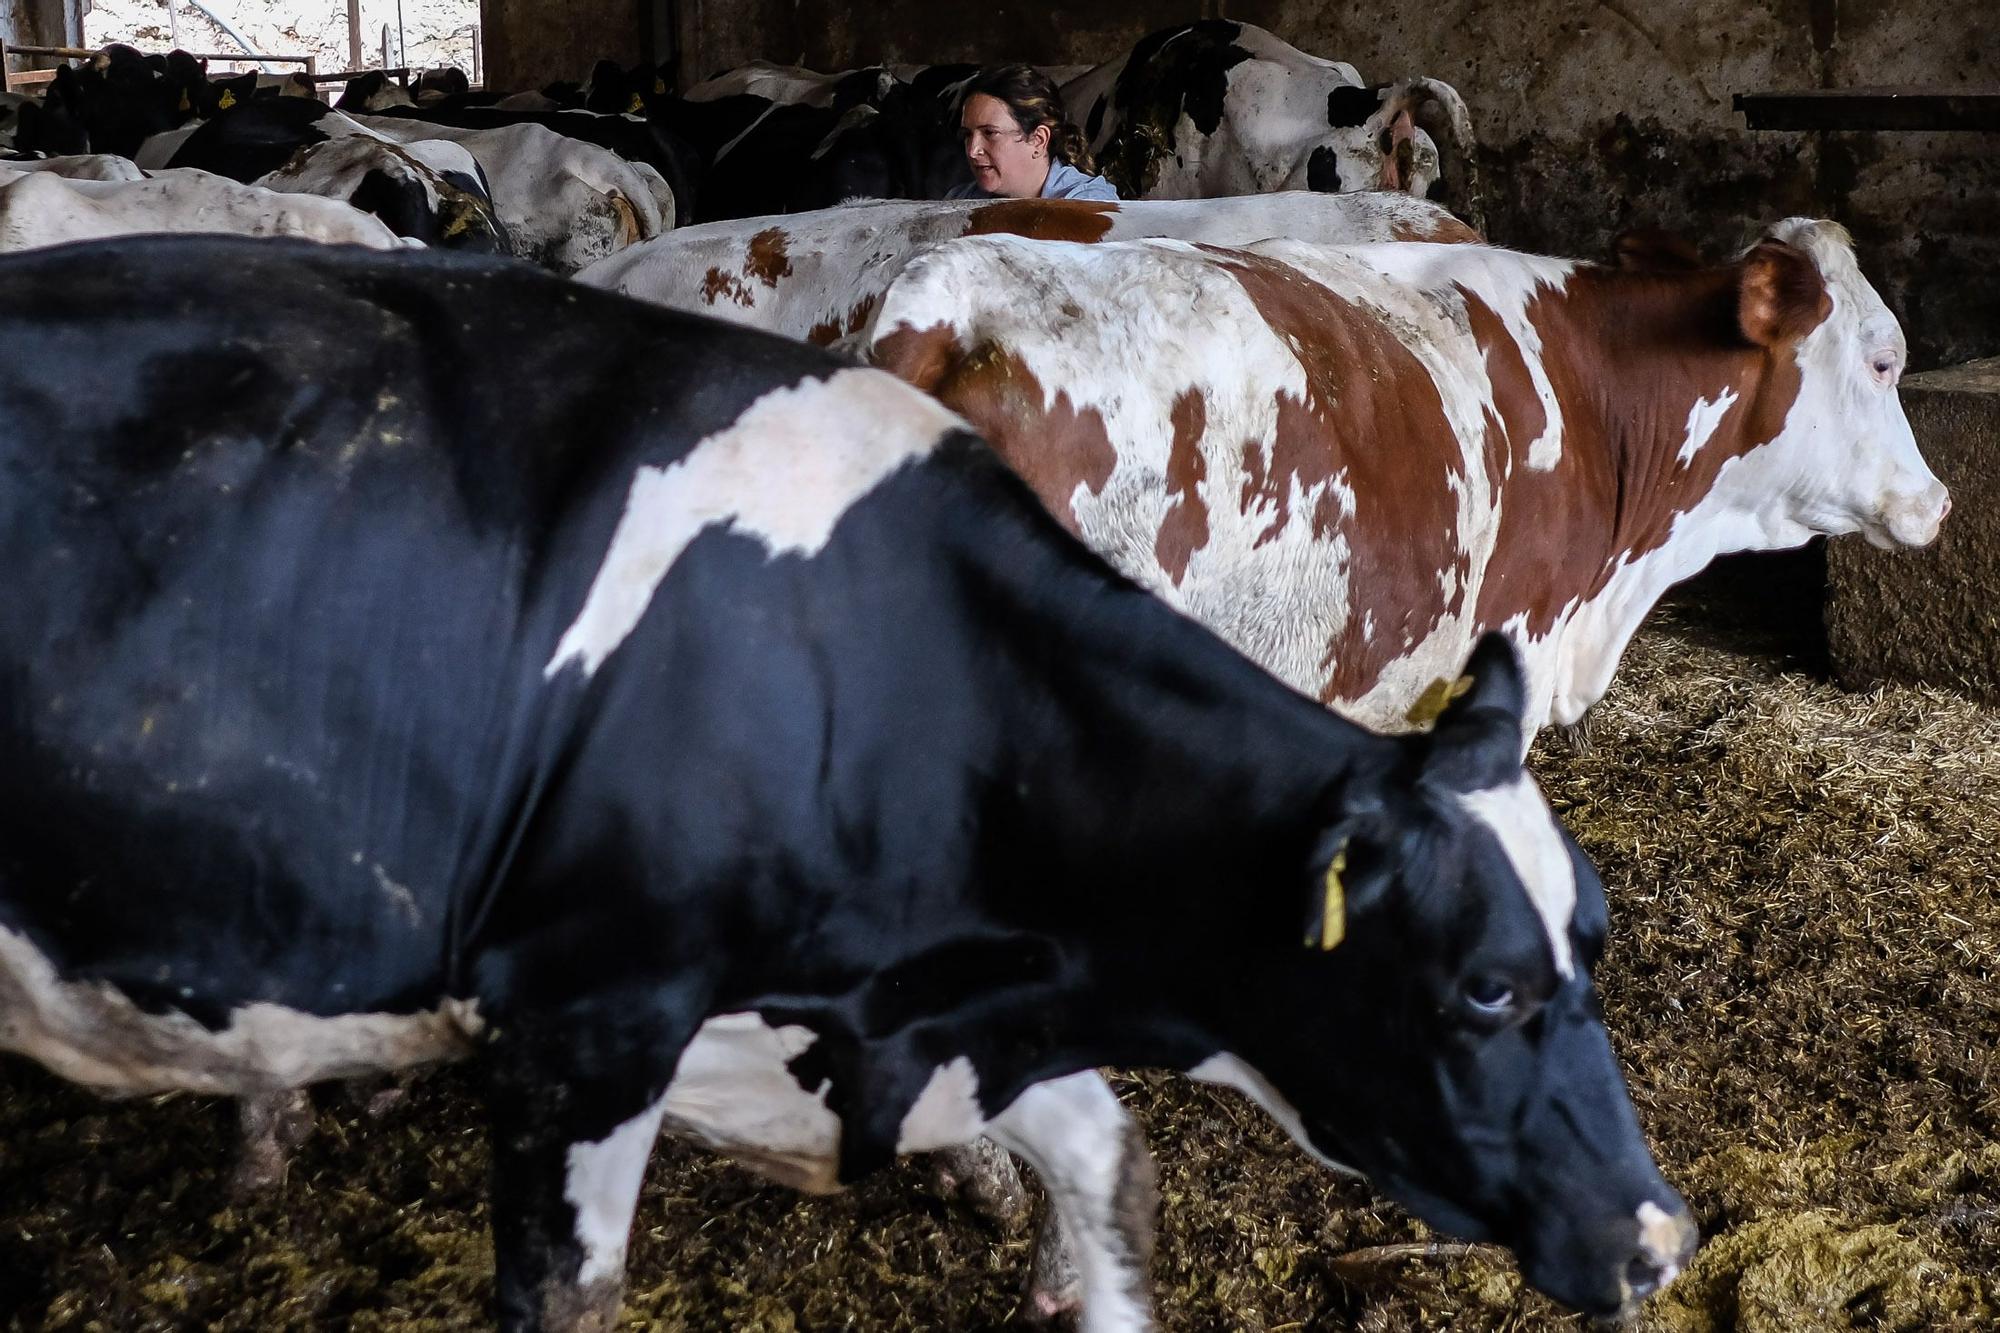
(1035, 101)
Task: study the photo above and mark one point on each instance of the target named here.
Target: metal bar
(173, 25)
(350, 75)
(85, 53)
(1873, 109)
(354, 34)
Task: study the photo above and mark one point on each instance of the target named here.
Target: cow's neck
(1223, 782)
(1662, 402)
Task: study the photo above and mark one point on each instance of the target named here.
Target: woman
(1020, 144)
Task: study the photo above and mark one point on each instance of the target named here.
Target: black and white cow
(1215, 108)
(701, 730)
(418, 189)
(559, 202)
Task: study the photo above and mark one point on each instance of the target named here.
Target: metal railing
(15, 80)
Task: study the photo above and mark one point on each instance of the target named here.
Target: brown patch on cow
(1654, 250)
(1628, 355)
(1371, 416)
(857, 317)
(1539, 559)
(829, 330)
(1085, 220)
(629, 231)
(767, 259)
(716, 283)
(1054, 447)
(1184, 530)
(920, 357)
(1444, 229)
(1781, 296)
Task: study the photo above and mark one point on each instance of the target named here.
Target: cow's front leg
(569, 1154)
(1099, 1177)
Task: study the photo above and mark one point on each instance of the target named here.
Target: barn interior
(1791, 789)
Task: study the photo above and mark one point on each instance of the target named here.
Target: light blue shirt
(1064, 182)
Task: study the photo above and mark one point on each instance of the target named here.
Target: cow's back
(1300, 460)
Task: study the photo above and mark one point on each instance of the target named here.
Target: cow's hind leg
(570, 1147)
(1099, 1177)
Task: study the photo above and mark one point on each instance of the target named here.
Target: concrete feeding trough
(1931, 617)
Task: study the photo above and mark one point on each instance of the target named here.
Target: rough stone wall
(1593, 117)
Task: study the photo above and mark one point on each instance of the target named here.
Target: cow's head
(1425, 1014)
(1848, 460)
(1372, 141)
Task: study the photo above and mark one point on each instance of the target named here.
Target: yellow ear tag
(185, 104)
(1437, 697)
(1333, 911)
(637, 105)
(227, 100)
(659, 86)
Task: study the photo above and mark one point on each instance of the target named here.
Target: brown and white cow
(819, 275)
(1350, 462)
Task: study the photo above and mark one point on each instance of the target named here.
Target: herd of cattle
(1115, 644)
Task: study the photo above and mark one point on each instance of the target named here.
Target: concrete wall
(1594, 118)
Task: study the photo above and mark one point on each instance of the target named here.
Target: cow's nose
(1666, 1242)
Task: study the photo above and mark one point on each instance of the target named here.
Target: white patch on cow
(602, 1184)
(1703, 418)
(1851, 458)
(946, 1112)
(1083, 1144)
(1662, 1236)
(734, 1093)
(1229, 1071)
(784, 472)
(90, 1032)
(1520, 821)
(41, 209)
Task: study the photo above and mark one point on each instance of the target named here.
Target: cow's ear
(1780, 296)
(1351, 870)
(1654, 250)
(1478, 740)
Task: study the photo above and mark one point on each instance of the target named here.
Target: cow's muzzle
(1911, 520)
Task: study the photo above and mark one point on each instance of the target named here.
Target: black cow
(878, 139)
(697, 728)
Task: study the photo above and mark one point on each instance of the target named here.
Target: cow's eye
(1489, 997)
(1888, 369)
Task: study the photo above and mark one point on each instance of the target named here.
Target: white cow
(41, 208)
(81, 167)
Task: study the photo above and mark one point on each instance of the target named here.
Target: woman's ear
(1039, 140)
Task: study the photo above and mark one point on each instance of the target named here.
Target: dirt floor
(1806, 925)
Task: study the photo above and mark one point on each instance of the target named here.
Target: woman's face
(1004, 161)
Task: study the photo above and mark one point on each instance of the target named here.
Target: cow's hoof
(273, 1125)
(984, 1177)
